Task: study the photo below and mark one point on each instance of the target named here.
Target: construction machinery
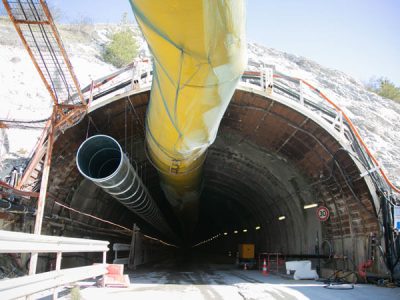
(245, 256)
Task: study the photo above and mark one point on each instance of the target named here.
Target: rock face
(23, 95)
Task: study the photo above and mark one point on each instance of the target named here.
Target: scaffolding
(36, 28)
(39, 35)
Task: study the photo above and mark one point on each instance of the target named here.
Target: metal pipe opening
(100, 159)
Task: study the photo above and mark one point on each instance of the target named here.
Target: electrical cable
(350, 124)
(354, 130)
(24, 121)
(91, 216)
(376, 180)
(338, 283)
(111, 223)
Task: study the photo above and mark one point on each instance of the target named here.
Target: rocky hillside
(23, 95)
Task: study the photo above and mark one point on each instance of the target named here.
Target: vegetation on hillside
(122, 48)
(385, 88)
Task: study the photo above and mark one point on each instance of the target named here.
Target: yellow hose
(199, 55)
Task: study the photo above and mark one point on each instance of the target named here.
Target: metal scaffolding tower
(35, 26)
(39, 35)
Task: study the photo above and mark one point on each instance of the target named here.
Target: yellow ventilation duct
(199, 55)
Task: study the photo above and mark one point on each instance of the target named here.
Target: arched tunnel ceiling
(268, 160)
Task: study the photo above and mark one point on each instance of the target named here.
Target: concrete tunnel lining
(266, 190)
(260, 145)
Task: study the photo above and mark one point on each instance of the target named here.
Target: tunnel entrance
(248, 190)
(268, 163)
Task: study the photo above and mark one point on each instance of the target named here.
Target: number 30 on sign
(323, 213)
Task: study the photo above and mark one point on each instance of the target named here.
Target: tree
(385, 88)
(122, 48)
(389, 90)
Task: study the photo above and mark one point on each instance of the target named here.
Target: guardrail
(124, 248)
(18, 242)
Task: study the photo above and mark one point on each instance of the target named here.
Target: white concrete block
(302, 269)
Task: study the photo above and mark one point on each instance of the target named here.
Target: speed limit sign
(323, 213)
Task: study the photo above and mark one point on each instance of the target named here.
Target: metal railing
(309, 97)
(124, 248)
(18, 242)
(267, 81)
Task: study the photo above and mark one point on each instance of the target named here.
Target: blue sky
(359, 37)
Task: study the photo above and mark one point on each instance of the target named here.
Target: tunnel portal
(271, 158)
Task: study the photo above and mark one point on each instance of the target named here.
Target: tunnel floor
(199, 280)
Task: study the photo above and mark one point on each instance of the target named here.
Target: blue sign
(396, 217)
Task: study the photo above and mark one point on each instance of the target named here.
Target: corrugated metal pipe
(101, 159)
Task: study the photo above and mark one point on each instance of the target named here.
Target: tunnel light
(281, 218)
(225, 233)
(244, 230)
(310, 205)
(235, 231)
(258, 227)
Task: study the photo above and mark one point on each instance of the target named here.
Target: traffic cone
(264, 270)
